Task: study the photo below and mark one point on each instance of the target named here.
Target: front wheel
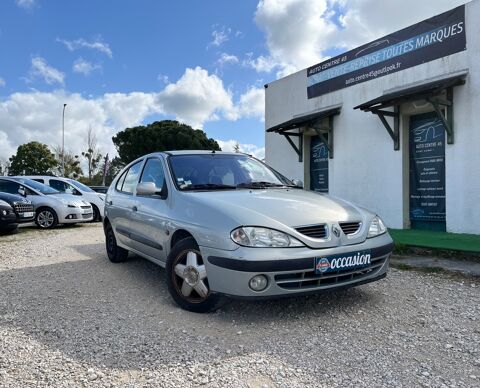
(46, 218)
(187, 278)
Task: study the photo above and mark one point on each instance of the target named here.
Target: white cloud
(27, 4)
(163, 78)
(2, 82)
(84, 67)
(252, 103)
(220, 36)
(299, 33)
(26, 117)
(251, 149)
(40, 68)
(97, 44)
(197, 97)
(226, 58)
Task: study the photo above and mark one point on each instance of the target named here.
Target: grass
(404, 238)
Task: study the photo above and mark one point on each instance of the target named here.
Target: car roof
(194, 152)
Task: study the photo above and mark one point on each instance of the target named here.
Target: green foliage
(72, 164)
(166, 135)
(33, 158)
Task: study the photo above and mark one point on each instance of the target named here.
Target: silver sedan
(226, 224)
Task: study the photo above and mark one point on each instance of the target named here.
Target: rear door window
(58, 185)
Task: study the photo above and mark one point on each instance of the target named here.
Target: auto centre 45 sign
(426, 41)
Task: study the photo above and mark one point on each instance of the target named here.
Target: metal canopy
(311, 121)
(429, 92)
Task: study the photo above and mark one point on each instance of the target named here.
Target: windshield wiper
(208, 186)
(258, 185)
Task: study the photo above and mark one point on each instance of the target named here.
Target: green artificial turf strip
(438, 240)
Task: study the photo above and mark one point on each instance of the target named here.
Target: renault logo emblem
(336, 231)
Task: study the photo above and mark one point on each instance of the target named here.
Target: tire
(46, 218)
(115, 253)
(187, 278)
(96, 214)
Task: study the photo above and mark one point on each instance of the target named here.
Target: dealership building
(391, 125)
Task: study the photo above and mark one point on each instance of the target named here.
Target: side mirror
(148, 189)
(298, 183)
(22, 191)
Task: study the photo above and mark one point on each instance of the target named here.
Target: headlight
(253, 236)
(377, 227)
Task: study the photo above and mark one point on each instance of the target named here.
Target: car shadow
(121, 315)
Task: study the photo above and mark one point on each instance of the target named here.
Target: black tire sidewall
(119, 254)
(211, 303)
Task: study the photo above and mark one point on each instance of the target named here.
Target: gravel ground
(70, 318)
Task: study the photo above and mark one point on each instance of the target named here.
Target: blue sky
(123, 63)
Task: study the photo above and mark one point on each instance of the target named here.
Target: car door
(149, 220)
(121, 203)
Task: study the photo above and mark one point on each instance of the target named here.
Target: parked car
(71, 186)
(228, 224)
(8, 218)
(100, 189)
(22, 208)
(51, 206)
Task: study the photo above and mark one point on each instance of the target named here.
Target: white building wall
(365, 168)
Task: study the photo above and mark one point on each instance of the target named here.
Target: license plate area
(342, 262)
(26, 214)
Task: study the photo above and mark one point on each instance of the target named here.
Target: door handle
(134, 208)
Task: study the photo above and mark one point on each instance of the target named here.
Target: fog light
(258, 283)
(4, 212)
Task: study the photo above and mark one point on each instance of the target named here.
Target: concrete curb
(468, 268)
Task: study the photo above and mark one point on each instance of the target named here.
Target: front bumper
(72, 215)
(291, 271)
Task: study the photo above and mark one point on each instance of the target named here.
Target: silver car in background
(51, 206)
(226, 224)
(78, 189)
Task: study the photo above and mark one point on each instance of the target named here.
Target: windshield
(217, 171)
(81, 186)
(44, 189)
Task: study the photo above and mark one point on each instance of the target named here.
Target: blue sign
(318, 165)
(426, 41)
(427, 168)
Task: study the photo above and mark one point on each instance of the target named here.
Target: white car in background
(71, 186)
(51, 206)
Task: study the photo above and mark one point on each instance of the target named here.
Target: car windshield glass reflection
(223, 172)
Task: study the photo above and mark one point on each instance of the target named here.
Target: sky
(122, 63)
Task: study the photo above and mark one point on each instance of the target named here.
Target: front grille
(23, 207)
(350, 228)
(86, 207)
(88, 215)
(305, 280)
(313, 231)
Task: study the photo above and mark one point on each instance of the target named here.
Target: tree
(33, 158)
(236, 147)
(165, 135)
(72, 164)
(92, 155)
(4, 167)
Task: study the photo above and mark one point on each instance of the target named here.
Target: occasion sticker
(342, 262)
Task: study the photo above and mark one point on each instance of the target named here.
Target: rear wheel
(187, 279)
(115, 253)
(46, 218)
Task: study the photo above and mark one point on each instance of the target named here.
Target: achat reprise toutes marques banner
(426, 41)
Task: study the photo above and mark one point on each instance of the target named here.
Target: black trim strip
(281, 265)
(138, 238)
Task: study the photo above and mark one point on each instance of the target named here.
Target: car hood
(69, 199)
(290, 207)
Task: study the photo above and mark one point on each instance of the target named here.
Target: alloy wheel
(190, 277)
(45, 219)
